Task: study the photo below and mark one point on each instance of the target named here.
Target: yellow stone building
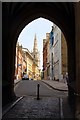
(33, 70)
(36, 72)
(29, 62)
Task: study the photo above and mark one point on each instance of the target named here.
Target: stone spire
(35, 48)
(36, 52)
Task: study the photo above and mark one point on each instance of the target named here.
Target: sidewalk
(16, 81)
(56, 85)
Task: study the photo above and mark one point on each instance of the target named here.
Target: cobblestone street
(53, 104)
(30, 107)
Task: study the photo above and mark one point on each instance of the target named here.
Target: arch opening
(63, 39)
(18, 21)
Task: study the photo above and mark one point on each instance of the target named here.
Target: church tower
(36, 54)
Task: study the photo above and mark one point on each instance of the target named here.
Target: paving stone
(30, 107)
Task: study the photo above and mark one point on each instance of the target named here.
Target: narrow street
(50, 105)
(29, 88)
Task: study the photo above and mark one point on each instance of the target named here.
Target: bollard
(38, 91)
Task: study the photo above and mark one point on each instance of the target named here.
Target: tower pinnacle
(35, 51)
(35, 36)
(35, 48)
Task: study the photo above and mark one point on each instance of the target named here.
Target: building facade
(46, 57)
(64, 56)
(57, 54)
(18, 62)
(54, 55)
(51, 54)
(60, 55)
(29, 62)
(24, 64)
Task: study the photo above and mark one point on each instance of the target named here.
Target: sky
(39, 27)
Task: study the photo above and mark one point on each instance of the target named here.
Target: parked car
(30, 79)
(25, 77)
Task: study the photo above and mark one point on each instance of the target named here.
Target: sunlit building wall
(33, 70)
(36, 72)
(44, 59)
(16, 56)
(29, 62)
(18, 62)
(51, 53)
(64, 56)
(24, 64)
(48, 55)
(57, 53)
(60, 54)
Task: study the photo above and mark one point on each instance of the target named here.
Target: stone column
(71, 65)
(8, 60)
(77, 42)
(71, 73)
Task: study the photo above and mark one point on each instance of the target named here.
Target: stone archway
(15, 16)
